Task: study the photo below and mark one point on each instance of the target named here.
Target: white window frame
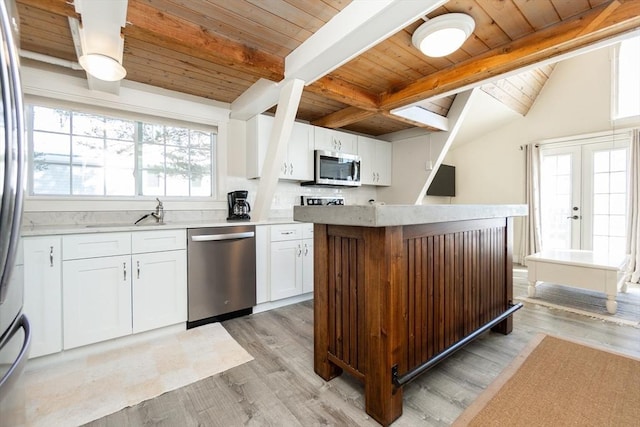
(615, 86)
(137, 144)
(44, 87)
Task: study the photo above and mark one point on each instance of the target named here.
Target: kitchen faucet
(158, 214)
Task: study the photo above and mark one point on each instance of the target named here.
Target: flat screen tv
(444, 183)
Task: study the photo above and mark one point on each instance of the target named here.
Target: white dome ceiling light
(102, 67)
(444, 34)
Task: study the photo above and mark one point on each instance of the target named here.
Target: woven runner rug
(555, 382)
(584, 302)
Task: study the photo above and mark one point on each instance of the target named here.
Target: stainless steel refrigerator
(15, 334)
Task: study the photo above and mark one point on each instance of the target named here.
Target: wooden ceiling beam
(340, 90)
(598, 24)
(199, 39)
(344, 117)
(148, 24)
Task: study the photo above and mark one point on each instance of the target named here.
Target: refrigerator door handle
(6, 382)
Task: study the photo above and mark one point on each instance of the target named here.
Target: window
(628, 79)
(583, 193)
(81, 154)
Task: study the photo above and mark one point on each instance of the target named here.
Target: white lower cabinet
(159, 289)
(286, 269)
(97, 299)
(133, 282)
(43, 293)
(291, 260)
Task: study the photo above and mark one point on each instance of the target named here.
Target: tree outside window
(75, 153)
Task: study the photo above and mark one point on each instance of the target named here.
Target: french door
(583, 196)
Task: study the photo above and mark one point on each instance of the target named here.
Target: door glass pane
(609, 201)
(556, 199)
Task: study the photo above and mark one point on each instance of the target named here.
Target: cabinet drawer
(307, 230)
(78, 246)
(282, 232)
(158, 240)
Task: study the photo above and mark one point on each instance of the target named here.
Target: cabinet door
(333, 140)
(97, 299)
(383, 163)
(367, 153)
(300, 152)
(258, 131)
(159, 295)
(286, 269)
(307, 266)
(345, 142)
(298, 162)
(43, 293)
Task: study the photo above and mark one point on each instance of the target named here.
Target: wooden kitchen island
(398, 287)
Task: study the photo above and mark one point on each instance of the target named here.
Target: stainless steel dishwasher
(221, 273)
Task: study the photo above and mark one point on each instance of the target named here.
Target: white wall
(575, 100)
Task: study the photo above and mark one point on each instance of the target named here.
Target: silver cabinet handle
(284, 168)
(290, 168)
(124, 270)
(138, 268)
(51, 256)
(299, 250)
(306, 249)
(216, 237)
(286, 233)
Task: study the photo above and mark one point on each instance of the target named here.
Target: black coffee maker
(239, 208)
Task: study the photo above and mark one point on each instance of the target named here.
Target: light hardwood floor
(279, 387)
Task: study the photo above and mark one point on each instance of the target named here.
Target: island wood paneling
(388, 296)
(454, 283)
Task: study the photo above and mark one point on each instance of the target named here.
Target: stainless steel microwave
(335, 169)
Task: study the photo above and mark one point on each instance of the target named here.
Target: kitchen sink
(109, 225)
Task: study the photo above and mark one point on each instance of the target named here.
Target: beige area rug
(78, 391)
(588, 303)
(555, 382)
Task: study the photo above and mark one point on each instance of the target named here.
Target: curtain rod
(615, 134)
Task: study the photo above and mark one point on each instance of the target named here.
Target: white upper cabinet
(297, 164)
(335, 140)
(299, 153)
(375, 161)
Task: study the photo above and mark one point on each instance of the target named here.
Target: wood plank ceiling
(218, 48)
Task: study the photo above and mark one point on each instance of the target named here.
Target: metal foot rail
(400, 380)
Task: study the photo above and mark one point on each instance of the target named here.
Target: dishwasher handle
(228, 236)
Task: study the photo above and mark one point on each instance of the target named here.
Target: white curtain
(633, 210)
(531, 234)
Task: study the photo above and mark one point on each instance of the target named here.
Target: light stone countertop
(380, 215)
(47, 230)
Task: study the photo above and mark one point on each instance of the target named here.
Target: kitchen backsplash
(287, 195)
(37, 219)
